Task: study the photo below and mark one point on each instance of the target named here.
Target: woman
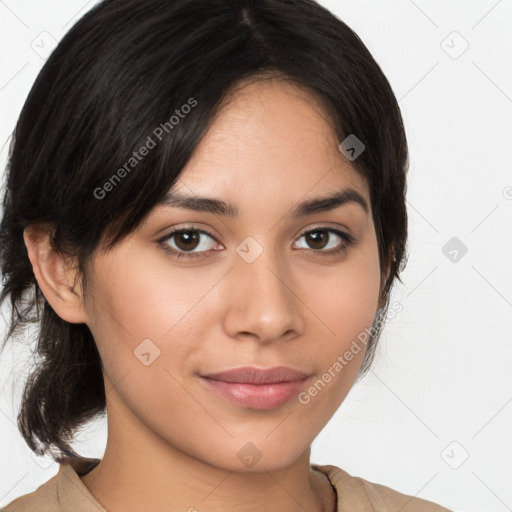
(206, 200)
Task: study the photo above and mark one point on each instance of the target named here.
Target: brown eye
(327, 241)
(188, 243)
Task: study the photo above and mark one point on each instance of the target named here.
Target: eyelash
(347, 239)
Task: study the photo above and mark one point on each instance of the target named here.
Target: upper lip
(253, 375)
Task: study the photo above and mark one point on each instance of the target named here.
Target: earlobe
(53, 274)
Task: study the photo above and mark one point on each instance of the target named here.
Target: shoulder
(355, 493)
(43, 499)
(63, 492)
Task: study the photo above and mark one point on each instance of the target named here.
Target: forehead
(270, 142)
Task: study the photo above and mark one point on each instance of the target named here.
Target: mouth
(256, 388)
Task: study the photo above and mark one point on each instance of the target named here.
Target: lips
(256, 388)
(253, 375)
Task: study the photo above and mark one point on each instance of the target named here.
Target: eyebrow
(307, 207)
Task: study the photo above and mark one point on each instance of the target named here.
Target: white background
(434, 416)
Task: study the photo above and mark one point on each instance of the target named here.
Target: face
(262, 288)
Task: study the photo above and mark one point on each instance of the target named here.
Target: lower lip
(256, 396)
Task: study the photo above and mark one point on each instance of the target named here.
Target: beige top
(65, 492)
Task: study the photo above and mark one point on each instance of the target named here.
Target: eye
(322, 238)
(187, 242)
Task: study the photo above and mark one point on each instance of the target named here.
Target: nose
(262, 302)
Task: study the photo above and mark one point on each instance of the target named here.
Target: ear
(54, 275)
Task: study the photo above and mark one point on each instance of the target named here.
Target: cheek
(348, 311)
(133, 302)
(345, 298)
(145, 327)
(346, 303)
(129, 314)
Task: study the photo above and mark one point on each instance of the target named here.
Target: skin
(172, 444)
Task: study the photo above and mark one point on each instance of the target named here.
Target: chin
(258, 456)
